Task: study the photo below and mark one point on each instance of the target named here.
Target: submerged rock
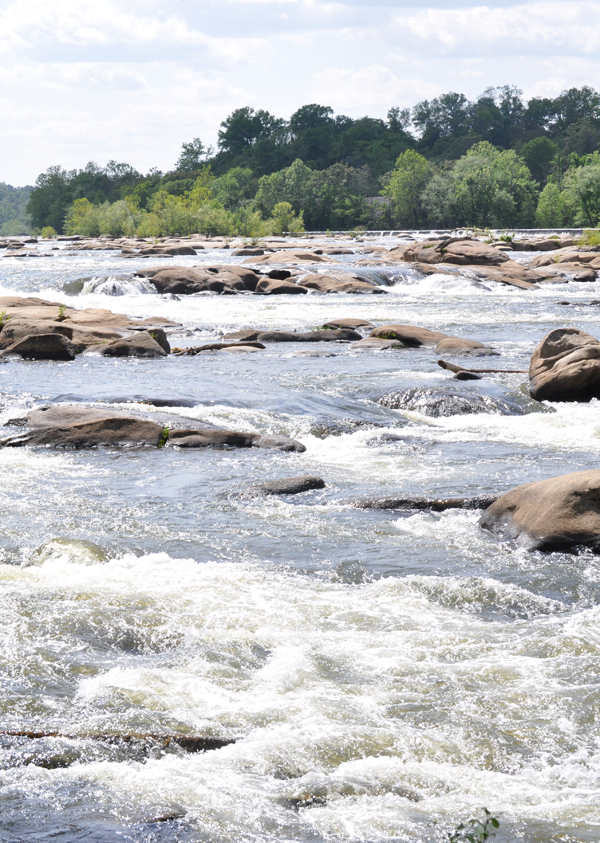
(565, 366)
(437, 402)
(286, 486)
(562, 513)
(417, 503)
(251, 335)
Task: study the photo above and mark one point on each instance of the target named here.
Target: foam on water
(386, 674)
(374, 709)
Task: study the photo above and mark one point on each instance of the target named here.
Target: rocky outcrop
(456, 251)
(140, 344)
(290, 256)
(580, 255)
(251, 335)
(410, 335)
(565, 366)
(436, 402)
(187, 280)
(413, 336)
(231, 439)
(285, 486)
(339, 284)
(29, 317)
(67, 426)
(562, 513)
(105, 432)
(275, 287)
(42, 347)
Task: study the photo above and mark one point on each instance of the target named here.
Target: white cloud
(369, 88)
(133, 79)
(539, 27)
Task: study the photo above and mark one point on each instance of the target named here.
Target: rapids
(385, 675)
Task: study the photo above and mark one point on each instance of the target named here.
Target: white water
(385, 675)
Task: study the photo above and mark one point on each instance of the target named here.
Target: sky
(84, 80)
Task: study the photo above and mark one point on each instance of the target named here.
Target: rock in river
(67, 426)
(286, 486)
(565, 366)
(140, 344)
(561, 513)
(252, 335)
(436, 402)
(42, 347)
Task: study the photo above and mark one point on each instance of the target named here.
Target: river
(386, 675)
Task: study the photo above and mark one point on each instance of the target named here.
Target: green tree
(406, 188)
(285, 221)
(192, 155)
(552, 210)
(582, 192)
(539, 154)
(484, 188)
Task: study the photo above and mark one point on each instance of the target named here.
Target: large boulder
(274, 287)
(42, 347)
(339, 284)
(565, 366)
(109, 431)
(67, 426)
(186, 280)
(26, 317)
(562, 513)
(140, 344)
(458, 251)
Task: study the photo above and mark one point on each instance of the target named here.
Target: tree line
(497, 161)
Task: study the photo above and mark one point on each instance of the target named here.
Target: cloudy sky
(131, 80)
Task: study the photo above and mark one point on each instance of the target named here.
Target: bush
(284, 220)
(83, 218)
(591, 237)
(150, 225)
(48, 232)
(213, 221)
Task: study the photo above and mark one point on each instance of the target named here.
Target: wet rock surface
(424, 504)
(285, 486)
(562, 513)
(565, 366)
(64, 426)
(436, 402)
